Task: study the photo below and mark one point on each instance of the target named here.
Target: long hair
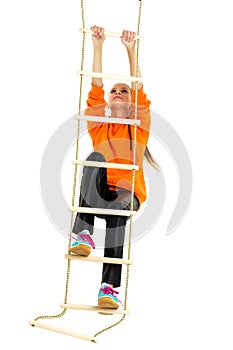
(150, 159)
(147, 154)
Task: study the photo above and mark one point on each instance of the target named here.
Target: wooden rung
(109, 76)
(106, 165)
(63, 331)
(101, 259)
(97, 119)
(100, 211)
(110, 34)
(95, 308)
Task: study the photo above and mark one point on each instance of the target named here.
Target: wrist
(98, 47)
(131, 52)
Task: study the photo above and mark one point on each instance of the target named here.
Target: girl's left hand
(128, 39)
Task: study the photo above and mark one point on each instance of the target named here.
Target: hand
(98, 35)
(128, 39)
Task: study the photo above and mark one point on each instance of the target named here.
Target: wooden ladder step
(109, 76)
(101, 211)
(106, 165)
(63, 331)
(99, 259)
(120, 311)
(106, 33)
(99, 119)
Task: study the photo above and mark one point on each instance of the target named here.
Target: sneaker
(83, 245)
(107, 297)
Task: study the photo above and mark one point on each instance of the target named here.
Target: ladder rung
(106, 165)
(101, 211)
(97, 119)
(101, 259)
(109, 76)
(110, 34)
(63, 331)
(95, 308)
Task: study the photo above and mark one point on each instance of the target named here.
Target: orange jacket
(115, 141)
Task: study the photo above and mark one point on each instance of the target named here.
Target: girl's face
(120, 94)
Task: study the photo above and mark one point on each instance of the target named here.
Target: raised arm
(128, 40)
(98, 39)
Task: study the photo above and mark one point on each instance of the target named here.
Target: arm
(96, 94)
(98, 39)
(128, 40)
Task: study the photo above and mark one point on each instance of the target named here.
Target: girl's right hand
(98, 35)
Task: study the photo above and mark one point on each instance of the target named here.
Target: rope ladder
(77, 162)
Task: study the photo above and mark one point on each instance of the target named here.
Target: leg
(114, 241)
(115, 235)
(92, 190)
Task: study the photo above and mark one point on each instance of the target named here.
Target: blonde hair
(150, 159)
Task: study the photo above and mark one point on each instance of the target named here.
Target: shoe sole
(80, 249)
(107, 303)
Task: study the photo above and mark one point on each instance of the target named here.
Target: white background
(180, 285)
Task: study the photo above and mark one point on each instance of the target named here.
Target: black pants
(95, 193)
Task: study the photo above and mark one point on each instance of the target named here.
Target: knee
(96, 157)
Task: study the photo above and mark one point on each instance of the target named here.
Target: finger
(125, 34)
(128, 35)
(99, 32)
(94, 30)
(133, 35)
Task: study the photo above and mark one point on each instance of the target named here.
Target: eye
(124, 91)
(113, 91)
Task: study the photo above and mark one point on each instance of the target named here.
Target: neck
(117, 112)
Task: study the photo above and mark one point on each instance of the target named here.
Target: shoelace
(88, 239)
(109, 290)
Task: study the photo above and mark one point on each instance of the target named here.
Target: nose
(118, 92)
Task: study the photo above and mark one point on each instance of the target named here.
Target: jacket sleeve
(95, 96)
(142, 98)
(143, 109)
(95, 107)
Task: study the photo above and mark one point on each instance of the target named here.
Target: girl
(111, 188)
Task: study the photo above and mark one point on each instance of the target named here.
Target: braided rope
(74, 181)
(133, 180)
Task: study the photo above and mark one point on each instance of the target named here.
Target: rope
(74, 181)
(133, 179)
